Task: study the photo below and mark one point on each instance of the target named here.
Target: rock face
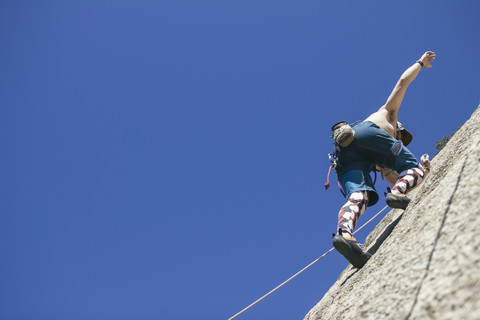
(427, 259)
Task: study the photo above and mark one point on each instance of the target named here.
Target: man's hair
(405, 136)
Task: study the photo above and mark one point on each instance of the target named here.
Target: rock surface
(427, 259)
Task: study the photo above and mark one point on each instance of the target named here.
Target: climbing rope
(299, 272)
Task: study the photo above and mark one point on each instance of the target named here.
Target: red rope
(327, 185)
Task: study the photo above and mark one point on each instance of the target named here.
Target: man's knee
(409, 179)
(417, 171)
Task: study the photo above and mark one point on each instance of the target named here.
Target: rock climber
(379, 142)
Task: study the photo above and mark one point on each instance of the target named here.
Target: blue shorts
(372, 146)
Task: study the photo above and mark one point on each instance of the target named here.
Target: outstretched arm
(396, 97)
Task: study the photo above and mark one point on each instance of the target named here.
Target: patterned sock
(409, 179)
(351, 211)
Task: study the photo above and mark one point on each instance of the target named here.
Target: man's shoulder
(379, 117)
(384, 120)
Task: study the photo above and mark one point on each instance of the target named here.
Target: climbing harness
(334, 164)
(343, 136)
(301, 271)
(341, 170)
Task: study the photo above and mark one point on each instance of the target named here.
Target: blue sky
(166, 159)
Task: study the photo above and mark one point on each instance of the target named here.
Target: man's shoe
(350, 249)
(398, 201)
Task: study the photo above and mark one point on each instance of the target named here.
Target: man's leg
(347, 218)
(351, 211)
(407, 181)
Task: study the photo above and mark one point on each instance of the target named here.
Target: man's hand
(425, 161)
(427, 59)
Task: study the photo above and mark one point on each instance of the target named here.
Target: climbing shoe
(350, 249)
(398, 202)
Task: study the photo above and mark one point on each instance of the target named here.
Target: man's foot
(398, 201)
(350, 249)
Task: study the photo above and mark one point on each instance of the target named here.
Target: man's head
(403, 134)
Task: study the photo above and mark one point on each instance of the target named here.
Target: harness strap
(392, 156)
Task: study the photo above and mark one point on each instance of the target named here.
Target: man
(379, 141)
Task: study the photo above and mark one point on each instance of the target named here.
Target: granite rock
(426, 262)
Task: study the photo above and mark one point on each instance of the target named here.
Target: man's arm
(396, 97)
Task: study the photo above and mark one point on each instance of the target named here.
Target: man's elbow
(402, 82)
